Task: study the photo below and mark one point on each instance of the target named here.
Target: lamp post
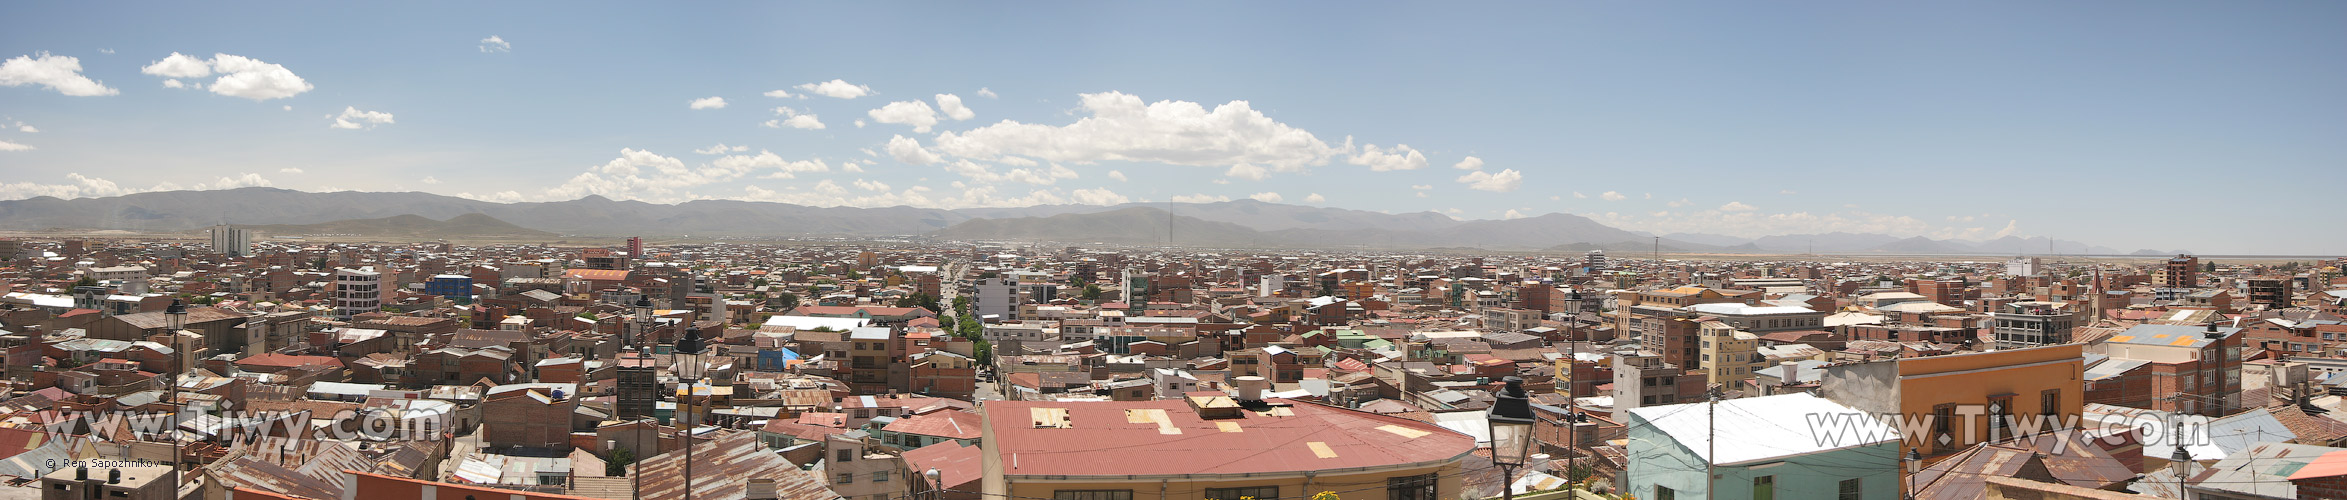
(643, 320)
(176, 315)
(935, 489)
(1511, 420)
(689, 369)
(1573, 416)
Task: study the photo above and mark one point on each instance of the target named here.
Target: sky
(2160, 125)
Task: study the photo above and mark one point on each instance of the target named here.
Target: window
(1092, 495)
(845, 456)
(1850, 489)
(880, 476)
(2000, 416)
(1664, 493)
(1943, 418)
(1418, 487)
(1764, 488)
(1255, 493)
(846, 479)
(2050, 403)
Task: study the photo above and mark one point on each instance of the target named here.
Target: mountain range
(1242, 223)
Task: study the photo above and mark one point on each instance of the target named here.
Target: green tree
(920, 300)
(1091, 292)
(961, 305)
(787, 301)
(983, 352)
(85, 281)
(617, 466)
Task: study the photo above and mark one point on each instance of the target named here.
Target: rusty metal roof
(1168, 437)
(724, 467)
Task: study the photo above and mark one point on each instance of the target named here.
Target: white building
(230, 241)
(357, 291)
(2022, 266)
(998, 297)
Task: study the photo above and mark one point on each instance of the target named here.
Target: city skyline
(2066, 121)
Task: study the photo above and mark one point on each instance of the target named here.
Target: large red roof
(955, 424)
(1127, 438)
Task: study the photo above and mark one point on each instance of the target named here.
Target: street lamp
(643, 318)
(689, 369)
(934, 486)
(176, 315)
(1511, 431)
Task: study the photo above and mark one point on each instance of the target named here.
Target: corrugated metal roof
(723, 468)
(1100, 439)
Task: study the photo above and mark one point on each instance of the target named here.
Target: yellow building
(1729, 356)
(1213, 446)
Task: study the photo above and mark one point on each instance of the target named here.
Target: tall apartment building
(230, 241)
(2032, 324)
(357, 291)
(1643, 379)
(2183, 271)
(2193, 369)
(1728, 356)
(998, 296)
(2022, 266)
(2272, 292)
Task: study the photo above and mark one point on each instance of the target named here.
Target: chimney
(1250, 389)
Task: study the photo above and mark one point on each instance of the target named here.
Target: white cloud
(105, 51)
(1248, 172)
(1401, 157)
(1681, 203)
(243, 180)
(1421, 194)
(986, 174)
(1470, 163)
(173, 84)
(253, 79)
(1737, 206)
(354, 119)
(59, 73)
(1578, 196)
(23, 127)
(711, 102)
(953, 108)
(986, 93)
(1199, 198)
(836, 88)
(2012, 227)
(80, 187)
(495, 44)
(870, 185)
(1099, 196)
(1504, 181)
(782, 93)
(851, 166)
(859, 123)
(1421, 187)
(239, 76)
(909, 151)
(869, 152)
(648, 176)
(179, 65)
(431, 180)
(1116, 174)
(794, 119)
(915, 113)
(1788, 191)
(1612, 196)
(721, 148)
(1017, 161)
(289, 170)
(1512, 214)
(1315, 198)
(497, 197)
(1121, 127)
(1649, 196)
(10, 146)
(1266, 197)
(289, 107)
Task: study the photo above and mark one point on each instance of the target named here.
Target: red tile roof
(958, 467)
(1126, 438)
(955, 424)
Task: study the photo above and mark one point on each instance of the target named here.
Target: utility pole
(1711, 442)
(177, 314)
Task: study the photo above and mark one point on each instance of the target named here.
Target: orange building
(2035, 390)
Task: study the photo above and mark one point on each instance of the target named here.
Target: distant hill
(1245, 223)
(412, 226)
(1129, 226)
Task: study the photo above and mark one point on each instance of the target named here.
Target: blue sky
(2125, 124)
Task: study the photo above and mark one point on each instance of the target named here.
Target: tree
(617, 466)
(983, 352)
(961, 305)
(787, 301)
(946, 322)
(1091, 292)
(85, 281)
(920, 300)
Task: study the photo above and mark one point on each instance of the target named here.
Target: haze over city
(2117, 125)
